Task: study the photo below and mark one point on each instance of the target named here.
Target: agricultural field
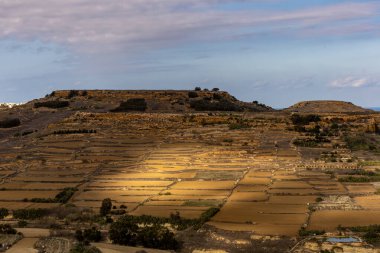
(256, 172)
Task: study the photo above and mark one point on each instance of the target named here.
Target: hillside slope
(326, 106)
(152, 101)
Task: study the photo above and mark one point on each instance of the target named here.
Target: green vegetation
(106, 207)
(361, 142)
(9, 123)
(7, 229)
(220, 105)
(370, 233)
(30, 214)
(61, 197)
(304, 119)
(73, 93)
(126, 231)
(193, 94)
(88, 235)
(304, 233)
(65, 195)
(361, 176)
(55, 104)
(239, 125)
(22, 223)
(319, 199)
(82, 248)
(3, 213)
(132, 104)
(310, 142)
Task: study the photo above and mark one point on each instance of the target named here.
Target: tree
(106, 207)
(124, 232)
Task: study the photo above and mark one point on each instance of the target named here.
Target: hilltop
(326, 106)
(148, 101)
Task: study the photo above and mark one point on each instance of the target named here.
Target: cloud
(352, 82)
(93, 25)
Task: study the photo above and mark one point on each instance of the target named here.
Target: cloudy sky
(275, 51)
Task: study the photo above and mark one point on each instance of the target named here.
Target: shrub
(126, 231)
(198, 89)
(30, 214)
(9, 123)
(215, 89)
(303, 232)
(106, 207)
(65, 195)
(222, 105)
(55, 104)
(22, 223)
(236, 126)
(61, 197)
(82, 248)
(118, 212)
(3, 213)
(304, 119)
(133, 104)
(7, 229)
(193, 94)
(88, 235)
(360, 142)
(73, 93)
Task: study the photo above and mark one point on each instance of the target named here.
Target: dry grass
(329, 220)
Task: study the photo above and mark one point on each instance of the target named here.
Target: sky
(278, 52)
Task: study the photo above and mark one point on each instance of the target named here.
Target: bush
(198, 89)
(82, 248)
(65, 195)
(193, 94)
(55, 104)
(61, 197)
(30, 214)
(303, 232)
(221, 105)
(88, 235)
(126, 231)
(3, 213)
(304, 119)
(106, 207)
(360, 142)
(73, 93)
(118, 212)
(9, 123)
(7, 229)
(133, 104)
(22, 223)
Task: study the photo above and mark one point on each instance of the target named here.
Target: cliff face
(152, 101)
(327, 106)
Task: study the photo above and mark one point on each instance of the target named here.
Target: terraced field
(160, 164)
